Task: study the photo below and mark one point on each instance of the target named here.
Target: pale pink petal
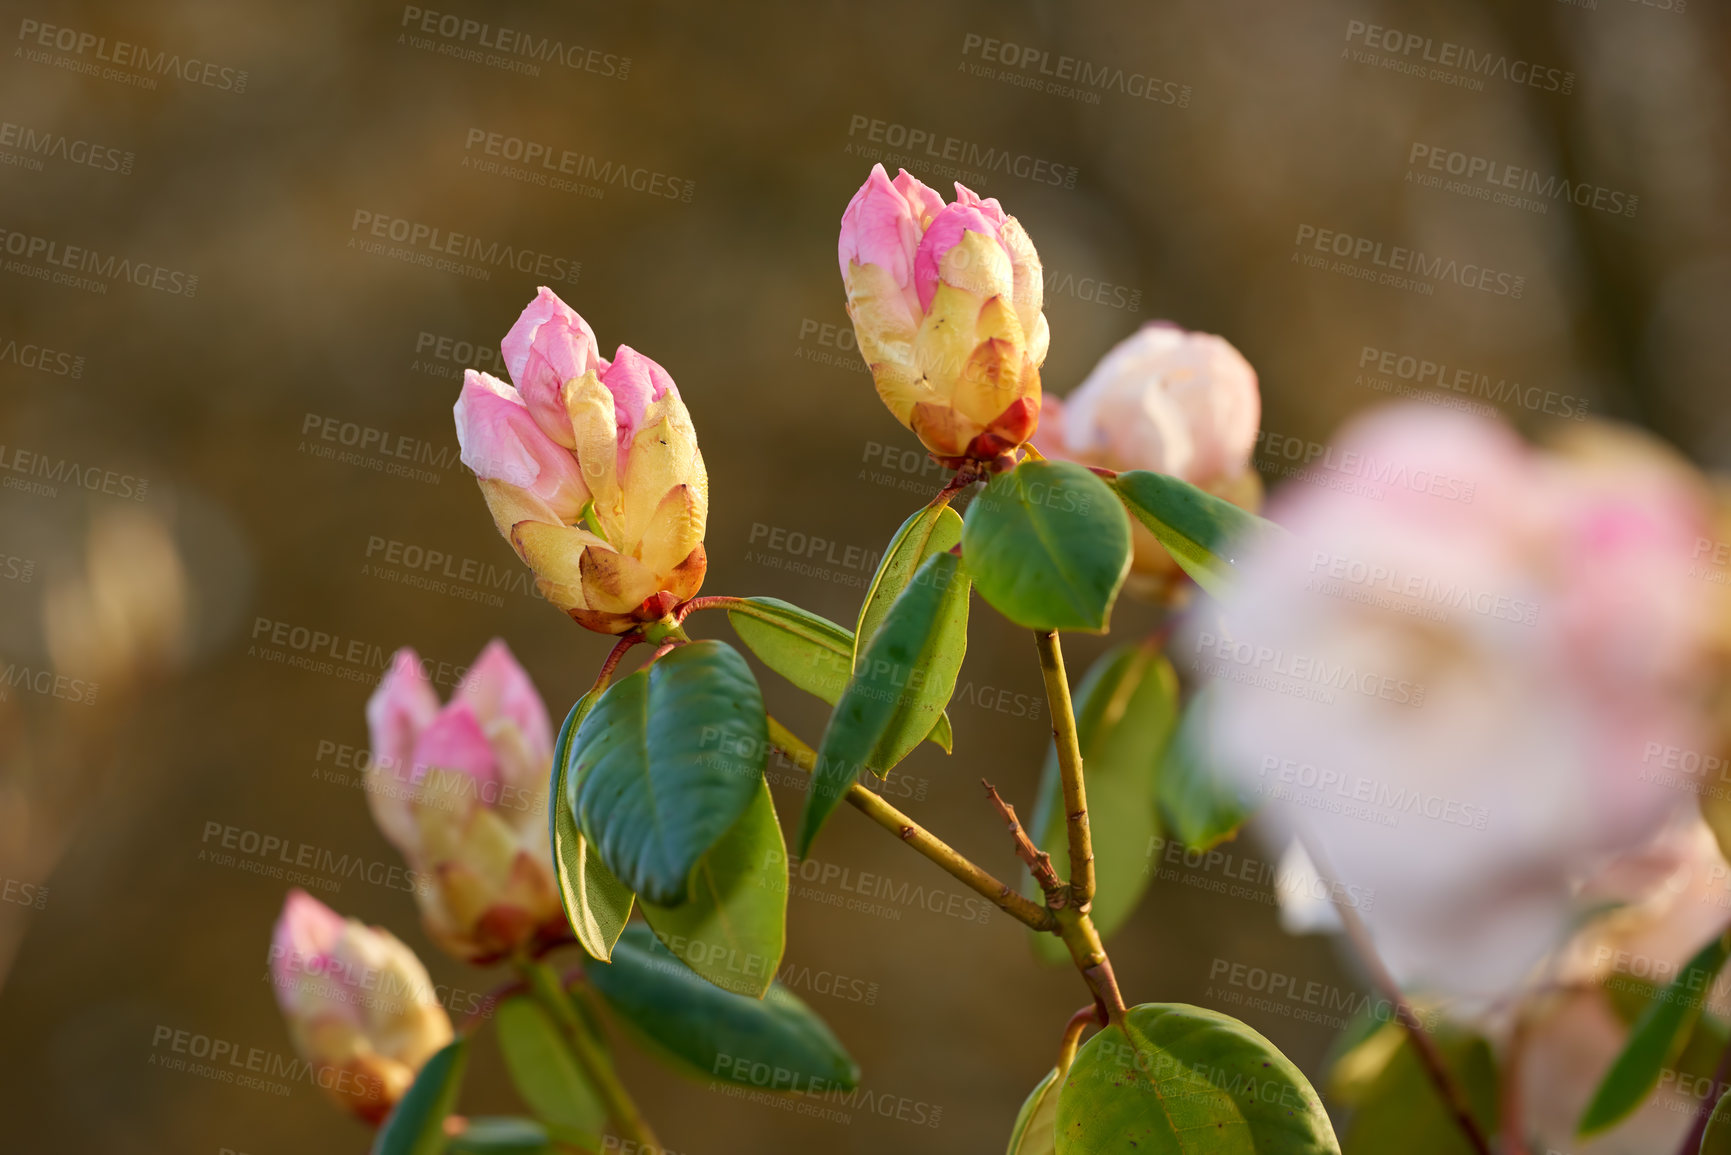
(562, 350)
(304, 935)
(635, 382)
(501, 441)
(521, 338)
(402, 706)
(944, 234)
(497, 687)
(456, 742)
(883, 224)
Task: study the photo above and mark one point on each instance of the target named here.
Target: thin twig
(713, 602)
(980, 881)
(1070, 768)
(605, 674)
(1073, 1034)
(1038, 861)
(1453, 1097)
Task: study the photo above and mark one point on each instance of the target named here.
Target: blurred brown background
(1211, 137)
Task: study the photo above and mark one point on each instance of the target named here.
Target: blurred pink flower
(461, 791)
(1453, 674)
(946, 304)
(590, 468)
(359, 1005)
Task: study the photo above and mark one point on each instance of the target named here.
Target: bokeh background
(187, 478)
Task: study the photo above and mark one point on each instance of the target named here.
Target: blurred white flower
(1454, 674)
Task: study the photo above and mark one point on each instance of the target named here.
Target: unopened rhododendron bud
(590, 468)
(460, 790)
(1168, 401)
(945, 301)
(359, 1005)
(1453, 673)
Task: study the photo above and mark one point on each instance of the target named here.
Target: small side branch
(1070, 768)
(1038, 861)
(1021, 909)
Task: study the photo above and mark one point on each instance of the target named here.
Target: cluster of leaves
(659, 804)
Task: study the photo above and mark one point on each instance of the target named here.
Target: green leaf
(666, 762)
(928, 532)
(1048, 546)
(1716, 1140)
(734, 927)
(596, 904)
(1200, 809)
(417, 1125)
(1172, 1074)
(1398, 1108)
(810, 651)
(1036, 1129)
(1202, 532)
(1655, 1041)
(502, 1135)
(774, 1044)
(1126, 707)
(541, 1065)
(904, 681)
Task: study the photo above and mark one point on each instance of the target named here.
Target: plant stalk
(1070, 768)
(1021, 909)
(549, 991)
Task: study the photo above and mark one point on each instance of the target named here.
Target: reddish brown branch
(1039, 863)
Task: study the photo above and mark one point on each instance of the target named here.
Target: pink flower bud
(946, 305)
(591, 470)
(359, 1005)
(466, 806)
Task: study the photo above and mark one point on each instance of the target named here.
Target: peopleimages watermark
(42, 358)
(440, 571)
(394, 454)
(949, 156)
(1356, 796)
(566, 170)
(1716, 555)
(40, 474)
(1363, 474)
(1218, 870)
(806, 1094)
(1297, 674)
(446, 357)
(1025, 66)
(47, 683)
(301, 863)
(255, 1068)
(22, 146)
(1396, 266)
(324, 652)
(1387, 586)
(1293, 997)
(1505, 184)
(1399, 368)
(812, 555)
(467, 255)
(120, 60)
(86, 269)
(362, 985)
(477, 42)
(1414, 54)
(864, 892)
(454, 791)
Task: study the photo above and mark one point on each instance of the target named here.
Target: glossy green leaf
(1630, 997)
(1036, 1129)
(904, 681)
(1203, 533)
(776, 1043)
(810, 651)
(928, 532)
(1716, 1140)
(1048, 546)
(542, 1067)
(1175, 1079)
(1655, 1041)
(1200, 809)
(1397, 1107)
(502, 1135)
(733, 928)
(1126, 707)
(416, 1126)
(666, 762)
(596, 904)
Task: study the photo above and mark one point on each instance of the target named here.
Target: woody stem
(936, 849)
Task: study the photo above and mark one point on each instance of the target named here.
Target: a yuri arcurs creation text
(1458, 680)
